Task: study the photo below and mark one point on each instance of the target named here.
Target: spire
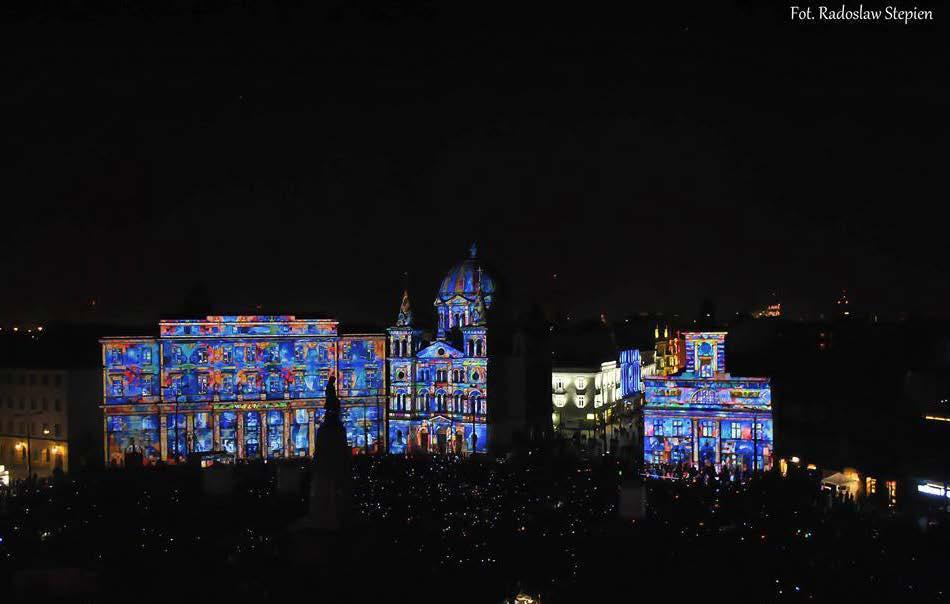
(405, 312)
(478, 306)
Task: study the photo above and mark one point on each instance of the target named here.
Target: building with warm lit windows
(249, 386)
(669, 356)
(703, 415)
(35, 418)
(599, 402)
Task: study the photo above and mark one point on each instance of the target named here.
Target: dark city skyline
(305, 159)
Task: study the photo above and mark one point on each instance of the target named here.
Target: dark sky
(304, 159)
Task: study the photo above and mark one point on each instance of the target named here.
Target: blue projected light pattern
(704, 416)
(251, 386)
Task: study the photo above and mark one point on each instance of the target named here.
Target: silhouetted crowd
(464, 530)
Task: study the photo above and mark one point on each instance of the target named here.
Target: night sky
(304, 159)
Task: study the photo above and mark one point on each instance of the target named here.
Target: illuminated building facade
(704, 416)
(670, 354)
(438, 391)
(599, 401)
(251, 386)
(35, 406)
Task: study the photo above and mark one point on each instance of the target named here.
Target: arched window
(478, 348)
(457, 402)
(471, 348)
(422, 401)
(440, 400)
(475, 402)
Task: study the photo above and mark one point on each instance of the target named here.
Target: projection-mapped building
(252, 386)
(438, 390)
(704, 416)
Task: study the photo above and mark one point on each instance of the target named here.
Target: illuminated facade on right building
(705, 417)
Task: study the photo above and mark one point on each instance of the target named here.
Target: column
(718, 445)
(695, 428)
(262, 414)
(311, 429)
(239, 434)
(190, 433)
(215, 432)
(105, 437)
(162, 435)
(288, 414)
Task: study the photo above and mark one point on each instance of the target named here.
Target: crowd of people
(465, 530)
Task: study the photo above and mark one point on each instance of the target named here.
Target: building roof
(464, 279)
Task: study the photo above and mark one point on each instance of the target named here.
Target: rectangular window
(657, 427)
(146, 385)
(202, 383)
(44, 404)
(45, 379)
(226, 355)
(298, 353)
(117, 387)
(677, 427)
(707, 429)
(227, 383)
(57, 405)
(146, 356)
(202, 355)
(58, 380)
(273, 384)
(56, 430)
(736, 430)
(250, 354)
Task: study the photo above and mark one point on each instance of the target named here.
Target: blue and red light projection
(439, 390)
(252, 386)
(705, 417)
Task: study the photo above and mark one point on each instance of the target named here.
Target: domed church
(439, 390)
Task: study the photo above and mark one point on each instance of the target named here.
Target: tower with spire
(438, 399)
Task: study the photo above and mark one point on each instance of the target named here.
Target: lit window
(202, 355)
(560, 400)
(736, 430)
(707, 428)
(202, 384)
(117, 387)
(580, 383)
(657, 427)
(677, 427)
(146, 356)
(891, 492)
(226, 355)
(580, 401)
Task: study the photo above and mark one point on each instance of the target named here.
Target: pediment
(440, 350)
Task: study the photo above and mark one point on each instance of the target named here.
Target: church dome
(463, 280)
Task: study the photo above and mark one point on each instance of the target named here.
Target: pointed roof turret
(405, 311)
(478, 306)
